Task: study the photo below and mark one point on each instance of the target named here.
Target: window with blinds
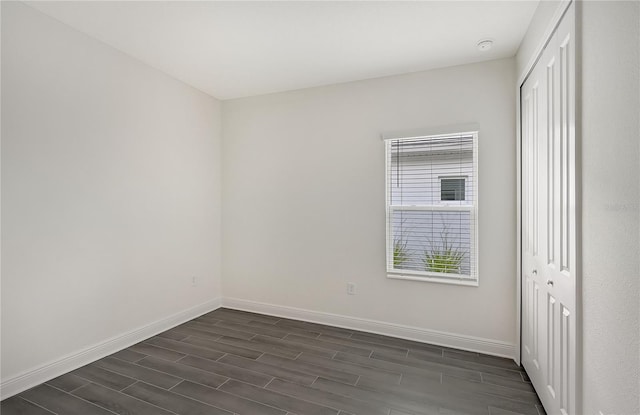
(432, 196)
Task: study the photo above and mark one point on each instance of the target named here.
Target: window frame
(447, 205)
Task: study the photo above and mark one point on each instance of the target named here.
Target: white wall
(304, 202)
(110, 192)
(611, 206)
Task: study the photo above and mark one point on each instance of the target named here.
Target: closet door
(549, 221)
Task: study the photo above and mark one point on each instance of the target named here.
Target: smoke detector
(485, 44)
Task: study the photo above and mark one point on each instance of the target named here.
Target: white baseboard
(38, 375)
(33, 377)
(440, 338)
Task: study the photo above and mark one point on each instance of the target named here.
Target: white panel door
(549, 221)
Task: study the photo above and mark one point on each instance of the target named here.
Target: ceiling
(236, 49)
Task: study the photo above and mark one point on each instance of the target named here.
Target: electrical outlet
(194, 281)
(351, 288)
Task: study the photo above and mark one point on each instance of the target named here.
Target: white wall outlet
(351, 288)
(194, 281)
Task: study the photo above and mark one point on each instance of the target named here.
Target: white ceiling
(236, 49)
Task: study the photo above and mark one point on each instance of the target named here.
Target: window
(452, 188)
(432, 196)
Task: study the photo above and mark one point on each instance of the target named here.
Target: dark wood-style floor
(234, 362)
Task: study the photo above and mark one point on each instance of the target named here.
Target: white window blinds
(432, 196)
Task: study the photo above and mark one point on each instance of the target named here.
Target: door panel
(549, 221)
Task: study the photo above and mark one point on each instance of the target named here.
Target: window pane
(432, 241)
(415, 169)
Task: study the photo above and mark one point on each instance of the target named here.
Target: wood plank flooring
(234, 362)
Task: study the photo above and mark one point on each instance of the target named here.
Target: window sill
(451, 281)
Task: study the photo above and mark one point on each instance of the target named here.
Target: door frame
(522, 77)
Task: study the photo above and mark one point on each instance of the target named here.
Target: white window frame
(428, 276)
